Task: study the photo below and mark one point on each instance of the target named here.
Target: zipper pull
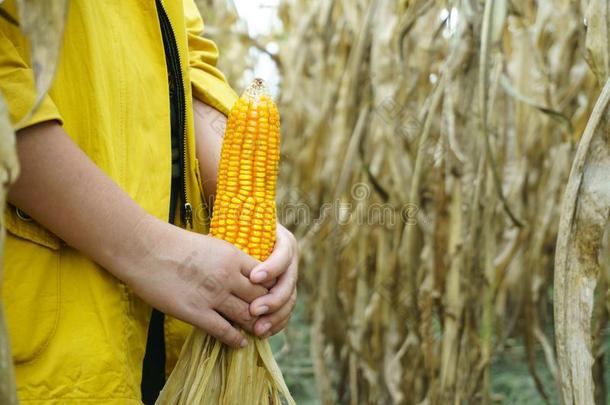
(188, 214)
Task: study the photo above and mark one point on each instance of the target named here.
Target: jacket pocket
(30, 288)
(20, 224)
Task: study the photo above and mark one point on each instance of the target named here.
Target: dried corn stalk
(584, 219)
(427, 149)
(585, 214)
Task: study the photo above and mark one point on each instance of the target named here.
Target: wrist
(132, 250)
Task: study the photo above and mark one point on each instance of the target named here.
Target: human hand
(196, 278)
(279, 273)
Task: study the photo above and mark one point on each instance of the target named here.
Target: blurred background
(426, 149)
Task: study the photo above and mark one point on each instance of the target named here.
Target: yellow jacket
(78, 335)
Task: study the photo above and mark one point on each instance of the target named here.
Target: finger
(279, 260)
(246, 263)
(269, 283)
(221, 329)
(243, 288)
(278, 295)
(279, 327)
(238, 311)
(271, 321)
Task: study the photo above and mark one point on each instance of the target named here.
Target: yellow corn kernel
(245, 199)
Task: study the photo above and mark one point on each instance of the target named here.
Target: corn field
(428, 149)
(446, 169)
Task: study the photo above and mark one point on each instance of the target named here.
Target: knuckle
(230, 254)
(274, 303)
(234, 255)
(210, 286)
(194, 306)
(245, 316)
(223, 272)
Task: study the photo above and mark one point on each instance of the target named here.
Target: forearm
(62, 189)
(209, 132)
(168, 267)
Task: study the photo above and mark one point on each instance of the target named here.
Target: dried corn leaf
(43, 24)
(584, 215)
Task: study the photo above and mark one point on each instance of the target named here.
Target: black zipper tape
(177, 96)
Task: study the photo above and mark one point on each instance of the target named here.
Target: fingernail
(243, 343)
(261, 310)
(259, 276)
(266, 326)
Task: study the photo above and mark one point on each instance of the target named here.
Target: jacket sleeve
(17, 83)
(208, 83)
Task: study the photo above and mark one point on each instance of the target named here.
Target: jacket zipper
(175, 70)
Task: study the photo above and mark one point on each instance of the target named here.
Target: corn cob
(207, 371)
(244, 210)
